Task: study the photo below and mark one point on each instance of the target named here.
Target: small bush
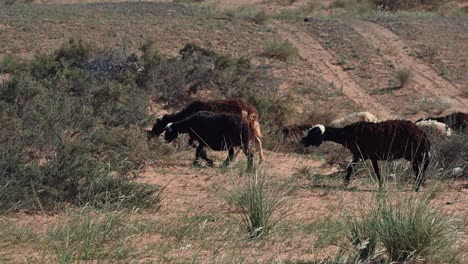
(261, 207)
(452, 152)
(258, 16)
(394, 5)
(10, 63)
(69, 118)
(402, 76)
(340, 3)
(311, 6)
(290, 14)
(282, 50)
(408, 229)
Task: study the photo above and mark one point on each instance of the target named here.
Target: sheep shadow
(326, 187)
(334, 182)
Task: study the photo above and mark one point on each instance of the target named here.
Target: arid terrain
(396, 65)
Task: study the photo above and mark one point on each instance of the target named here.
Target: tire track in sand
(313, 52)
(427, 80)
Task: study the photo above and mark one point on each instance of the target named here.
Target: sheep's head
(313, 136)
(422, 119)
(158, 128)
(170, 133)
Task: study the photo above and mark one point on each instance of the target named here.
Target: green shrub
(261, 206)
(70, 127)
(10, 63)
(74, 119)
(248, 13)
(409, 229)
(342, 3)
(452, 152)
(311, 6)
(394, 5)
(88, 236)
(282, 50)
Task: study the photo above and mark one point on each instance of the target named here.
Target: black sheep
(237, 106)
(216, 131)
(388, 140)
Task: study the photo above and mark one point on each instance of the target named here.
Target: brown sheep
(237, 106)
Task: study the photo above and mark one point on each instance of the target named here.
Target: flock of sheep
(226, 124)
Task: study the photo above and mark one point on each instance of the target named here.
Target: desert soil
(346, 65)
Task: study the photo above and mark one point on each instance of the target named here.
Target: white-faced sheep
(388, 140)
(432, 127)
(216, 131)
(237, 106)
(456, 121)
(296, 130)
(354, 118)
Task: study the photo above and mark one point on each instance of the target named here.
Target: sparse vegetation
(248, 13)
(72, 123)
(402, 77)
(282, 50)
(10, 63)
(261, 206)
(452, 153)
(64, 119)
(410, 229)
(312, 6)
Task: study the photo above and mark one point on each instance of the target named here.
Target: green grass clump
(89, 236)
(407, 229)
(10, 63)
(261, 208)
(249, 13)
(282, 50)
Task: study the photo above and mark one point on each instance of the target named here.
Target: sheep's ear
(168, 128)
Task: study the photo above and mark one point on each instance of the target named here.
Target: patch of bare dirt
(439, 42)
(326, 66)
(427, 82)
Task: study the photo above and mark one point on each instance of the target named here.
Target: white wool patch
(435, 126)
(321, 127)
(168, 127)
(353, 118)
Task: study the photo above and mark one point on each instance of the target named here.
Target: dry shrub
(451, 9)
(311, 6)
(402, 76)
(282, 50)
(394, 5)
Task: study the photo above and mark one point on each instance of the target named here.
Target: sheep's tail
(254, 125)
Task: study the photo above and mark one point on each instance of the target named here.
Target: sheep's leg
(258, 143)
(198, 151)
(377, 172)
(192, 143)
(349, 170)
(201, 153)
(236, 154)
(230, 156)
(249, 156)
(420, 179)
